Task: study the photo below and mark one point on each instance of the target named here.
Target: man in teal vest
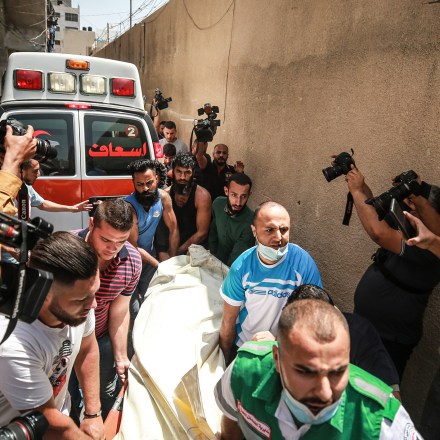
(304, 387)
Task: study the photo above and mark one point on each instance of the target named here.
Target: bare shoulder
(165, 197)
(202, 194)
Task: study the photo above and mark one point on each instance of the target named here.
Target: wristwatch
(93, 416)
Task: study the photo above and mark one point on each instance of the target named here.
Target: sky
(97, 13)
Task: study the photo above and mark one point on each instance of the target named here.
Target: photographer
(394, 291)
(17, 150)
(37, 359)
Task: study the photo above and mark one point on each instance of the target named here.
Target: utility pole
(108, 33)
(131, 4)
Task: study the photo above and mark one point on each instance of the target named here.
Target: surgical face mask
(271, 254)
(302, 413)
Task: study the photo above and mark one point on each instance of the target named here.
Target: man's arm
(133, 239)
(379, 231)
(227, 329)
(118, 323)
(49, 206)
(201, 148)
(18, 150)
(203, 218)
(61, 427)
(171, 222)
(87, 370)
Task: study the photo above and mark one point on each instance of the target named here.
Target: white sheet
(178, 360)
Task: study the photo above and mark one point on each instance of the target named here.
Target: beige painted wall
(297, 81)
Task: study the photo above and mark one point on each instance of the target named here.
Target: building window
(71, 17)
(57, 15)
(57, 42)
(57, 28)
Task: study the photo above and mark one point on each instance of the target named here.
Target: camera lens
(45, 150)
(30, 427)
(331, 173)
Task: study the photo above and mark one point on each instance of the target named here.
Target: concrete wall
(296, 82)
(76, 41)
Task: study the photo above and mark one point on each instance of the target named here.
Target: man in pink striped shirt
(120, 268)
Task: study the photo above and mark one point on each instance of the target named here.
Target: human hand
(18, 149)
(424, 238)
(83, 206)
(122, 366)
(94, 428)
(355, 180)
(239, 167)
(263, 336)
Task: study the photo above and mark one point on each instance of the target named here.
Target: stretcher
(177, 361)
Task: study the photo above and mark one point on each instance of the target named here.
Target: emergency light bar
(122, 87)
(28, 79)
(78, 64)
(62, 82)
(92, 84)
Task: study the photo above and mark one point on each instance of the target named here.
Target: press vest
(257, 388)
(147, 222)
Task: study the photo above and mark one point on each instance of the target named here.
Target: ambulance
(92, 109)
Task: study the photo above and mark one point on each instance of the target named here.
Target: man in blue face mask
(262, 278)
(304, 386)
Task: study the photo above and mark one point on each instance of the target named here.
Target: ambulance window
(59, 130)
(112, 143)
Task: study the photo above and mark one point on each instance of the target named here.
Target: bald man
(262, 278)
(304, 386)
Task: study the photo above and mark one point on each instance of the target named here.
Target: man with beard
(262, 278)
(120, 267)
(216, 173)
(304, 386)
(149, 204)
(230, 232)
(37, 359)
(191, 203)
(170, 137)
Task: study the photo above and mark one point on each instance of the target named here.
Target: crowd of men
(296, 366)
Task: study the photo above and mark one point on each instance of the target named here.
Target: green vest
(257, 388)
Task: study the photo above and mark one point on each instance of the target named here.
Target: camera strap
(348, 210)
(23, 203)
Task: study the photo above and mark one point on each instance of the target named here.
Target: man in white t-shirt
(170, 137)
(37, 359)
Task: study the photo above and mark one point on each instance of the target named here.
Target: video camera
(205, 129)
(161, 102)
(29, 427)
(23, 289)
(407, 185)
(46, 149)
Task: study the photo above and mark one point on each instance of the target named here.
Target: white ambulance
(94, 109)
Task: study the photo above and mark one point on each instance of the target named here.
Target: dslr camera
(406, 185)
(205, 129)
(22, 289)
(30, 427)
(340, 165)
(45, 148)
(161, 102)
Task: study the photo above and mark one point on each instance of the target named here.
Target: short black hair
(169, 150)
(162, 122)
(184, 160)
(115, 212)
(68, 257)
(170, 125)
(310, 291)
(240, 179)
